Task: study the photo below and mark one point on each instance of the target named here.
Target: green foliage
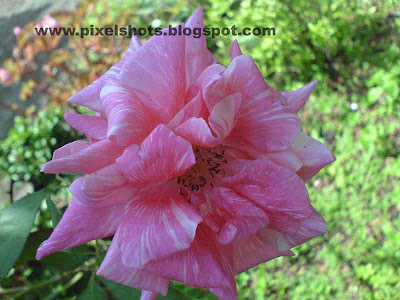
(31, 143)
(16, 222)
(55, 215)
(93, 292)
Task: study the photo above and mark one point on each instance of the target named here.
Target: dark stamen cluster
(209, 163)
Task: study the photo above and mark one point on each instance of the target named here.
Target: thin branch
(58, 277)
(11, 191)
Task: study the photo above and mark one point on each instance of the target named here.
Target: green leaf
(173, 294)
(55, 215)
(62, 261)
(123, 292)
(68, 259)
(93, 292)
(374, 94)
(16, 221)
(32, 244)
(120, 291)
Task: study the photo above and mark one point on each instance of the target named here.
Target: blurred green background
(352, 48)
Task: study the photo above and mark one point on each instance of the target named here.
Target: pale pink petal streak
(157, 72)
(88, 160)
(160, 222)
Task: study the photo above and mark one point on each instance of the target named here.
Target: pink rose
(197, 169)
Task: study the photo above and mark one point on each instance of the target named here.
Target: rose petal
(240, 216)
(159, 223)
(274, 188)
(147, 295)
(308, 228)
(264, 123)
(162, 156)
(222, 120)
(295, 100)
(88, 160)
(195, 108)
(264, 246)
(157, 71)
(190, 265)
(313, 154)
(235, 50)
(113, 269)
(90, 95)
(92, 126)
(80, 224)
(207, 80)
(198, 57)
(69, 149)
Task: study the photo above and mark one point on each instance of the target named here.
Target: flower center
(209, 164)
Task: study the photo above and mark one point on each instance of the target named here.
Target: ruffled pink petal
(274, 188)
(286, 158)
(308, 228)
(207, 80)
(264, 123)
(239, 216)
(159, 223)
(222, 120)
(157, 72)
(295, 100)
(198, 57)
(162, 156)
(235, 50)
(238, 150)
(130, 119)
(113, 269)
(88, 160)
(198, 266)
(118, 195)
(228, 292)
(82, 223)
(195, 108)
(103, 187)
(92, 126)
(243, 76)
(313, 154)
(69, 149)
(267, 126)
(90, 95)
(267, 244)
